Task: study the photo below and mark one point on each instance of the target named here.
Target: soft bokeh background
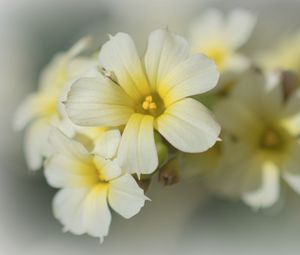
(181, 219)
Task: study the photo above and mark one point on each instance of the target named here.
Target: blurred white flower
(261, 129)
(44, 108)
(220, 37)
(90, 184)
(286, 55)
(148, 95)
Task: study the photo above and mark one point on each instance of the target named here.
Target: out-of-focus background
(181, 219)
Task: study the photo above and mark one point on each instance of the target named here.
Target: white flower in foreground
(148, 95)
(220, 37)
(90, 184)
(43, 108)
(263, 128)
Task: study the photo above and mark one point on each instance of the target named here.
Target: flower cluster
(104, 124)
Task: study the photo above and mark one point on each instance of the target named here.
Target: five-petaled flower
(148, 95)
(220, 37)
(262, 140)
(90, 183)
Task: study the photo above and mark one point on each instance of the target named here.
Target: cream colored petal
(107, 144)
(70, 165)
(237, 63)
(36, 145)
(54, 75)
(240, 25)
(107, 169)
(293, 180)
(66, 146)
(207, 28)
(137, 151)
(80, 67)
(193, 76)
(165, 51)
(83, 211)
(37, 105)
(125, 196)
(236, 119)
(119, 55)
(238, 172)
(188, 126)
(268, 193)
(260, 94)
(64, 171)
(98, 102)
(81, 45)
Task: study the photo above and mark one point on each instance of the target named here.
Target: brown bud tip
(289, 82)
(144, 183)
(169, 173)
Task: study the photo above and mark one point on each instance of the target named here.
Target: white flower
(148, 95)
(263, 131)
(286, 55)
(90, 184)
(219, 38)
(43, 108)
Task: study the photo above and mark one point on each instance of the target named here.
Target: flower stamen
(148, 104)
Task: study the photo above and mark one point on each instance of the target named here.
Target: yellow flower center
(148, 104)
(271, 139)
(151, 105)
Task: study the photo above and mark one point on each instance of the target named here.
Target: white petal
(188, 126)
(81, 45)
(238, 172)
(98, 102)
(36, 143)
(108, 169)
(119, 55)
(54, 75)
(62, 171)
(70, 165)
(137, 151)
(237, 63)
(193, 76)
(66, 146)
(239, 27)
(125, 196)
(107, 144)
(35, 106)
(81, 67)
(83, 211)
(165, 50)
(293, 180)
(260, 94)
(209, 27)
(230, 112)
(268, 193)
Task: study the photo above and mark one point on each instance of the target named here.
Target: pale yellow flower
(263, 130)
(148, 95)
(43, 108)
(286, 55)
(220, 37)
(90, 184)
